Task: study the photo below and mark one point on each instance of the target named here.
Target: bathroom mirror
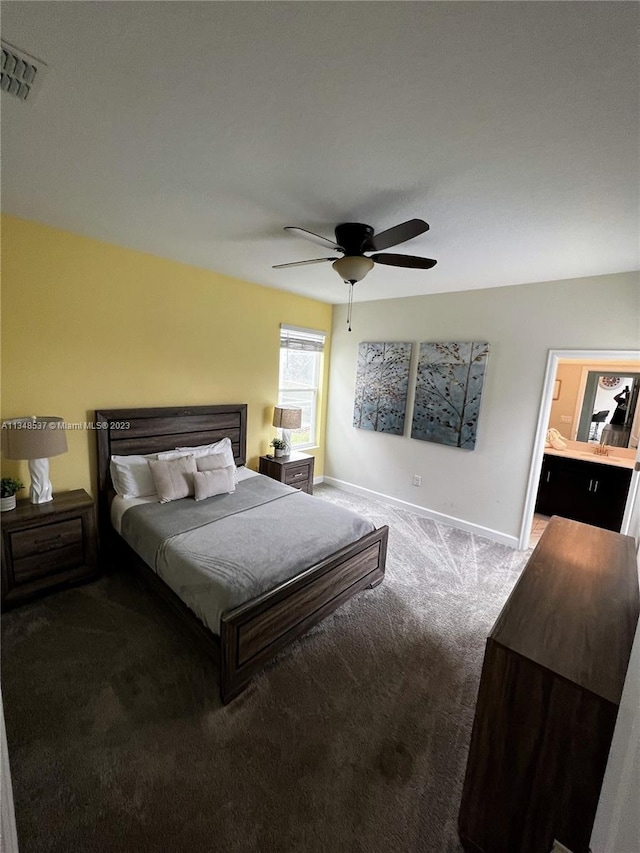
(610, 412)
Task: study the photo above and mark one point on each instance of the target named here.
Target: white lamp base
(286, 437)
(41, 491)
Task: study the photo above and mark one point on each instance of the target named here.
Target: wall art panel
(448, 390)
(382, 382)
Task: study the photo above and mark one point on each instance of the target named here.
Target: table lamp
(287, 419)
(35, 439)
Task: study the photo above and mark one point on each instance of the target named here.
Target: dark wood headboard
(123, 432)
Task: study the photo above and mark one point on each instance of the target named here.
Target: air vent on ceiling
(20, 73)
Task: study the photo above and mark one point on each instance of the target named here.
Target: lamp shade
(353, 268)
(287, 418)
(33, 438)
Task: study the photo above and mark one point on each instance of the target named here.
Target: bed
(245, 635)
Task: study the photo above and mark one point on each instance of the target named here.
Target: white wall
(617, 824)
(483, 489)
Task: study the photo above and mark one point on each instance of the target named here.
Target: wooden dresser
(553, 673)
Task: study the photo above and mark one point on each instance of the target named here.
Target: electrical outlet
(417, 480)
(565, 419)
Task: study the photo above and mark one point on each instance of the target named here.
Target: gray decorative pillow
(173, 477)
(220, 481)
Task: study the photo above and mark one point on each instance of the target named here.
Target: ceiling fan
(353, 239)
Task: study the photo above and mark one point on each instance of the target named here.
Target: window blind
(307, 340)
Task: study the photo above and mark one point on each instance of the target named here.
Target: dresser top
(575, 607)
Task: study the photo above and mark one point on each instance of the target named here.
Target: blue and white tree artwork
(382, 382)
(448, 390)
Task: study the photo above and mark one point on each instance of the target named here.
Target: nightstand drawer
(48, 563)
(35, 541)
(297, 475)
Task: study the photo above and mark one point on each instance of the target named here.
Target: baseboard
(459, 523)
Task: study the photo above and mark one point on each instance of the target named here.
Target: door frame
(553, 359)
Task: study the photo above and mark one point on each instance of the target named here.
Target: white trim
(460, 524)
(8, 834)
(553, 359)
(632, 497)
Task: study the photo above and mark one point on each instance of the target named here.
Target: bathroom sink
(569, 451)
(610, 458)
(572, 453)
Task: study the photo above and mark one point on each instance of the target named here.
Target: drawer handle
(595, 488)
(49, 540)
(299, 474)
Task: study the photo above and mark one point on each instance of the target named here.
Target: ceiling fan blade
(405, 261)
(302, 263)
(315, 238)
(398, 234)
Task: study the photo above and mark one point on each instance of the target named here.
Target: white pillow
(168, 455)
(217, 482)
(131, 475)
(173, 477)
(223, 447)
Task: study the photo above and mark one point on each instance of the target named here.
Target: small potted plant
(278, 447)
(8, 488)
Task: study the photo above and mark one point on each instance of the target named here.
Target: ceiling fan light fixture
(353, 268)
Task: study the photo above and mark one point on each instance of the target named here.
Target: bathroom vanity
(580, 485)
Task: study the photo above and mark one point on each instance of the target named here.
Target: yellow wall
(88, 325)
(565, 406)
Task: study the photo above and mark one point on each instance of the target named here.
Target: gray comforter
(224, 551)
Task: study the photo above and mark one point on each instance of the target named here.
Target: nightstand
(46, 545)
(295, 470)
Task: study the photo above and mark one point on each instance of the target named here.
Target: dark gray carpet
(354, 739)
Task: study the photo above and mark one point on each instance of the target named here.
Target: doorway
(612, 358)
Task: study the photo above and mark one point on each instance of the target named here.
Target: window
(300, 371)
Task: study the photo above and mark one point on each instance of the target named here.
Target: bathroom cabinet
(592, 492)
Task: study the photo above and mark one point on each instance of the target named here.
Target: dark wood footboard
(254, 632)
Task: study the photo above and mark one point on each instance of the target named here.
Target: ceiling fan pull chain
(350, 306)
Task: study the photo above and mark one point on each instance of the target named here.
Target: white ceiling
(196, 131)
